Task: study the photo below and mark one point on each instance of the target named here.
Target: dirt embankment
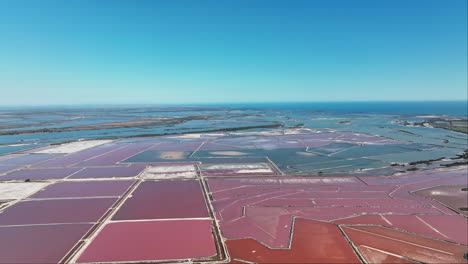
(108, 125)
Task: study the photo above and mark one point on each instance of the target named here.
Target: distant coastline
(457, 108)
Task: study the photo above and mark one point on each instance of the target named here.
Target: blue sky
(174, 51)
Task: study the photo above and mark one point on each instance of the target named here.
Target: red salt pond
(436, 226)
(373, 255)
(84, 189)
(396, 243)
(164, 199)
(39, 244)
(152, 240)
(312, 242)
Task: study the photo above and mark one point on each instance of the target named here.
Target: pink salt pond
(110, 172)
(152, 240)
(164, 199)
(40, 243)
(40, 174)
(84, 189)
(56, 211)
(207, 198)
(77, 157)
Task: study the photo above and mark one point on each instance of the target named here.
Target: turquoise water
(403, 107)
(426, 108)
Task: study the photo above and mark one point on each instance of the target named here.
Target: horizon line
(226, 103)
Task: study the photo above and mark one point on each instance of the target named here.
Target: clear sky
(174, 51)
